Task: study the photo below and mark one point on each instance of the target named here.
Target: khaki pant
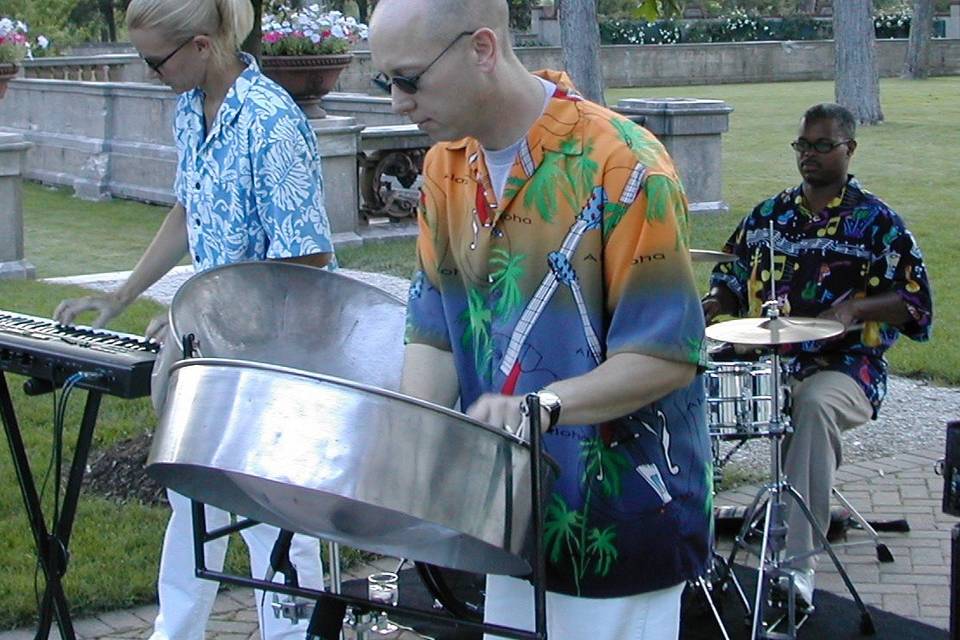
(823, 405)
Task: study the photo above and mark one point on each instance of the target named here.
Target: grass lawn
(115, 547)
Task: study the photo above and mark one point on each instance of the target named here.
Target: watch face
(551, 402)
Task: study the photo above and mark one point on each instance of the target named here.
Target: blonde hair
(226, 22)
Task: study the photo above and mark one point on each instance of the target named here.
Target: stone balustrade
(112, 139)
(13, 265)
(116, 67)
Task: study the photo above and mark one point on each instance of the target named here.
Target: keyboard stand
(52, 547)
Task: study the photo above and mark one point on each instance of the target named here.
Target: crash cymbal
(705, 255)
(773, 331)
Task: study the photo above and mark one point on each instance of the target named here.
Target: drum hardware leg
(280, 559)
(52, 545)
(333, 559)
(329, 605)
(328, 618)
(360, 621)
(539, 563)
(722, 574)
(706, 589)
(883, 551)
(771, 565)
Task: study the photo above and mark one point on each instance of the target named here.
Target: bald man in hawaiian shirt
(553, 259)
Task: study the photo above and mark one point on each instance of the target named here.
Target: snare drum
(739, 398)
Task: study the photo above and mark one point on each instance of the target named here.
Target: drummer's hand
(845, 313)
(108, 306)
(158, 327)
(503, 412)
(711, 308)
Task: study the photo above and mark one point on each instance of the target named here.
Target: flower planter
(306, 78)
(8, 71)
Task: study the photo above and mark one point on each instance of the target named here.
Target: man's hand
(108, 306)
(719, 301)
(846, 313)
(504, 412)
(711, 308)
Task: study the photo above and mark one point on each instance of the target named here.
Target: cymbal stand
(772, 565)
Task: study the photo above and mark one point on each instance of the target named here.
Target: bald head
(440, 19)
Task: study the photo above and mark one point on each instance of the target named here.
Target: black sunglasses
(410, 84)
(820, 146)
(156, 66)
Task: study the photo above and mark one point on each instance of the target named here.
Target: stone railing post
(953, 22)
(13, 150)
(690, 129)
(338, 140)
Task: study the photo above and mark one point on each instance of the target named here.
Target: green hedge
(740, 26)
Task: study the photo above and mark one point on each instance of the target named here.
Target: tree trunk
(916, 64)
(807, 7)
(857, 85)
(252, 44)
(580, 41)
(109, 19)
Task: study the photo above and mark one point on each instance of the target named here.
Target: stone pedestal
(691, 131)
(953, 22)
(338, 140)
(545, 25)
(13, 149)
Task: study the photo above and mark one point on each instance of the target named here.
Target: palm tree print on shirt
(567, 173)
(506, 281)
(476, 335)
(567, 532)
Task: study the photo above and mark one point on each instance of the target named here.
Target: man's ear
(486, 48)
(851, 147)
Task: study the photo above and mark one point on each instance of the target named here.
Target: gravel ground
(913, 416)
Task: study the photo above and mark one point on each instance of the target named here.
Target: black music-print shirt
(856, 247)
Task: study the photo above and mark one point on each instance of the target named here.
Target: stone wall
(713, 63)
(623, 65)
(100, 138)
(112, 139)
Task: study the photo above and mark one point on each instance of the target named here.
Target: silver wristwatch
(551, 402)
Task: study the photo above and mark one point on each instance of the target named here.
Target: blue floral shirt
(251, 185)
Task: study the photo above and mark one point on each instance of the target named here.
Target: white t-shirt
(500, 161)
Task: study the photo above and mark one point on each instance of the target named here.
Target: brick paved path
(915, 585)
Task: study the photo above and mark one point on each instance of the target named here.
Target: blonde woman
(248, 187)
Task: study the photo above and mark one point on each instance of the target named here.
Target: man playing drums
(842, 254)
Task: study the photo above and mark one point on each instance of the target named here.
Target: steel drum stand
(338, 607)
(774, 530)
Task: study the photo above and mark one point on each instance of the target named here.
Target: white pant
(186, 601)
(646, 616)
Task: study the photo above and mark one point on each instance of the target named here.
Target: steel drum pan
(322, 445)
(289, 315)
